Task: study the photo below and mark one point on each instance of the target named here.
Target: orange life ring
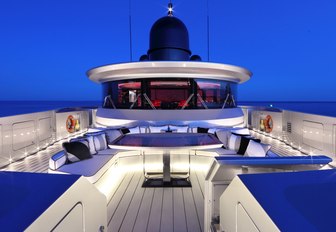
(268, 124)
(70, 124)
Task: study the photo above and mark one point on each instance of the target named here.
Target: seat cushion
(78, 149)
(57, 160)
(88, 167)
(107, 152)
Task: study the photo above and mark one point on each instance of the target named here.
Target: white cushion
(192, 129)
(100, 142)
(241, 131)
(134, 130)
(144, 129)
(91, 145)
(255, 149)
(234, 142)
(179, 129)
(223, 136)
(93, 168)
(57, 160)
(158, 129)
(112, 135)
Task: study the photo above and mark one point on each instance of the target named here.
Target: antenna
(170, 8)
(208, 31)
(130, 29)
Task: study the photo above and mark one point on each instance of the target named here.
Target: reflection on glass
(172, 93)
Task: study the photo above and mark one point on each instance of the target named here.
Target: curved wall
(193, 118)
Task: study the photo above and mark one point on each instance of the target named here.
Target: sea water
(9, 108)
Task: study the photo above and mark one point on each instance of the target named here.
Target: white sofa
(92, 168)
(103, 159)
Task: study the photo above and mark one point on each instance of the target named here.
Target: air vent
(289, 127)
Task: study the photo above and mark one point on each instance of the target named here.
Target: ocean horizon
(10, 108)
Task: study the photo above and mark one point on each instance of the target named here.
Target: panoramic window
(169, 93)
(215, 94)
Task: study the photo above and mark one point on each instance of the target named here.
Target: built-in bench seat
(261, 161)
(102, 157)
(100, 160)
(93, 168)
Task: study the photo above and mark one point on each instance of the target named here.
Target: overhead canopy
(169, 69)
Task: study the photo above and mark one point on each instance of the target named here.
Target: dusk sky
(46, 47)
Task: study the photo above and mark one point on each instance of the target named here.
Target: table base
(174, 182)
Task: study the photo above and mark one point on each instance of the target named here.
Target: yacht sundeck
(169, 150)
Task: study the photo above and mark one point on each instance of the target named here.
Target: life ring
(70, 124)
(268, 124)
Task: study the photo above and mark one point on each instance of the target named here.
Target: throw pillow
(77, 149)
(100, 142)
(234, 142)
(125, 130)
(255, 149)
(244, 142)
(202, 130)
(223, 136)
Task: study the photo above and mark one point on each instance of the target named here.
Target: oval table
(166, 142)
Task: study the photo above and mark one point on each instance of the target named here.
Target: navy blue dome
(169, 40)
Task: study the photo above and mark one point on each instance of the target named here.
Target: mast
(208, 30)
(130, 29)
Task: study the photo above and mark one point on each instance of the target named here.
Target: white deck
(133, 208)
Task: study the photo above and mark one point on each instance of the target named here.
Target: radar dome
(169, 40)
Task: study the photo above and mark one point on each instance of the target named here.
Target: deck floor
(134, 208)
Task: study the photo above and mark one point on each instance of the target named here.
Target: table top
(169, 141)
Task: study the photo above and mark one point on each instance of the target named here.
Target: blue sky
(46, 47)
